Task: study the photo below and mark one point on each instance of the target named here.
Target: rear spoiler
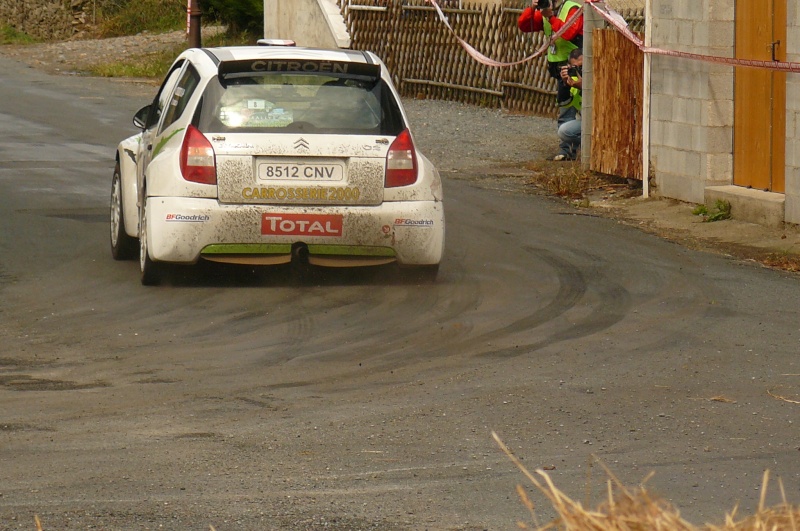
(346, 69)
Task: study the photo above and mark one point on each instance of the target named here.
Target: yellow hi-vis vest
(558, 52)
(577, 97)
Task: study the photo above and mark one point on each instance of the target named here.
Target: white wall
(313, 23)
(792, 205)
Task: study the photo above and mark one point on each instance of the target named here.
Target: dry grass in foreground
(783, 261)
(564, 179)
(628, 510)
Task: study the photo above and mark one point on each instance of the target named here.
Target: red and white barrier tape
(616, 20)
(620, 25)
(478, 56)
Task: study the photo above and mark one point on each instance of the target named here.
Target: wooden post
(193, 16)
(646, 102)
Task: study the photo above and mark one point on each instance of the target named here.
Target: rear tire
(123, 247)
(151, 271)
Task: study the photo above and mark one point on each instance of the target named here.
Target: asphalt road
(260, 401)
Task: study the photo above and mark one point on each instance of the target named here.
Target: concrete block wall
(792, 195)
(691, 121)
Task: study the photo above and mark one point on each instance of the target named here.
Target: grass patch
(231, 39)
(9, 35)
(564, 179)
(155, 65)
(130, 18)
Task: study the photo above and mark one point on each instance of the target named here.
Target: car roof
(211, 60)
(291, 52)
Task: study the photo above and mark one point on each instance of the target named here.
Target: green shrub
(722, 210)
(240, 16)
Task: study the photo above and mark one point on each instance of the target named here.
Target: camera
(543, 4)
(574, 71)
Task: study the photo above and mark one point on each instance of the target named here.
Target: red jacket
(531, 20)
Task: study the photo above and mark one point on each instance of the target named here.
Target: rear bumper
(181, 230)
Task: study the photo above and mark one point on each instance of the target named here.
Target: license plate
(294, 171)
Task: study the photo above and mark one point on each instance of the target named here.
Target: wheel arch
(126, 155)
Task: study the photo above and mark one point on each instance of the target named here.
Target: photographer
(570, 131)
(541, 16)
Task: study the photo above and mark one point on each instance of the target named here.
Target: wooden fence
(427, 61)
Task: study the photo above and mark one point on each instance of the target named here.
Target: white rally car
(266, 154)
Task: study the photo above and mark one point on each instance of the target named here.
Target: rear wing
(343, 69)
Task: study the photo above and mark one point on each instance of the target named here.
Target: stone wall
(47, 19)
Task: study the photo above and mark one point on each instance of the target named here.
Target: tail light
(401, 162)
(198, 163)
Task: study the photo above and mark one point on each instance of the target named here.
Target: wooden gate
(759, 136)
(616, 147)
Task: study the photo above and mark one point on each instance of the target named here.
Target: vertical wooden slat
(617, 109)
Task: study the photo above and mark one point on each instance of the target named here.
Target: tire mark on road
(571, 288)
(612, 306)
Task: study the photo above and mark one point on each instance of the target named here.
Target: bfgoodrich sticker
(403, 222)
(187, 218)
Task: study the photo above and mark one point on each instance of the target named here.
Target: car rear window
(298, 102)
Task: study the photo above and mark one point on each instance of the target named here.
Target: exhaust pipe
(300, 253)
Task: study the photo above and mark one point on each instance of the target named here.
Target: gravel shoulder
(491, 147)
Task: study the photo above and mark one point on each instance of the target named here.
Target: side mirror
(140, 118)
